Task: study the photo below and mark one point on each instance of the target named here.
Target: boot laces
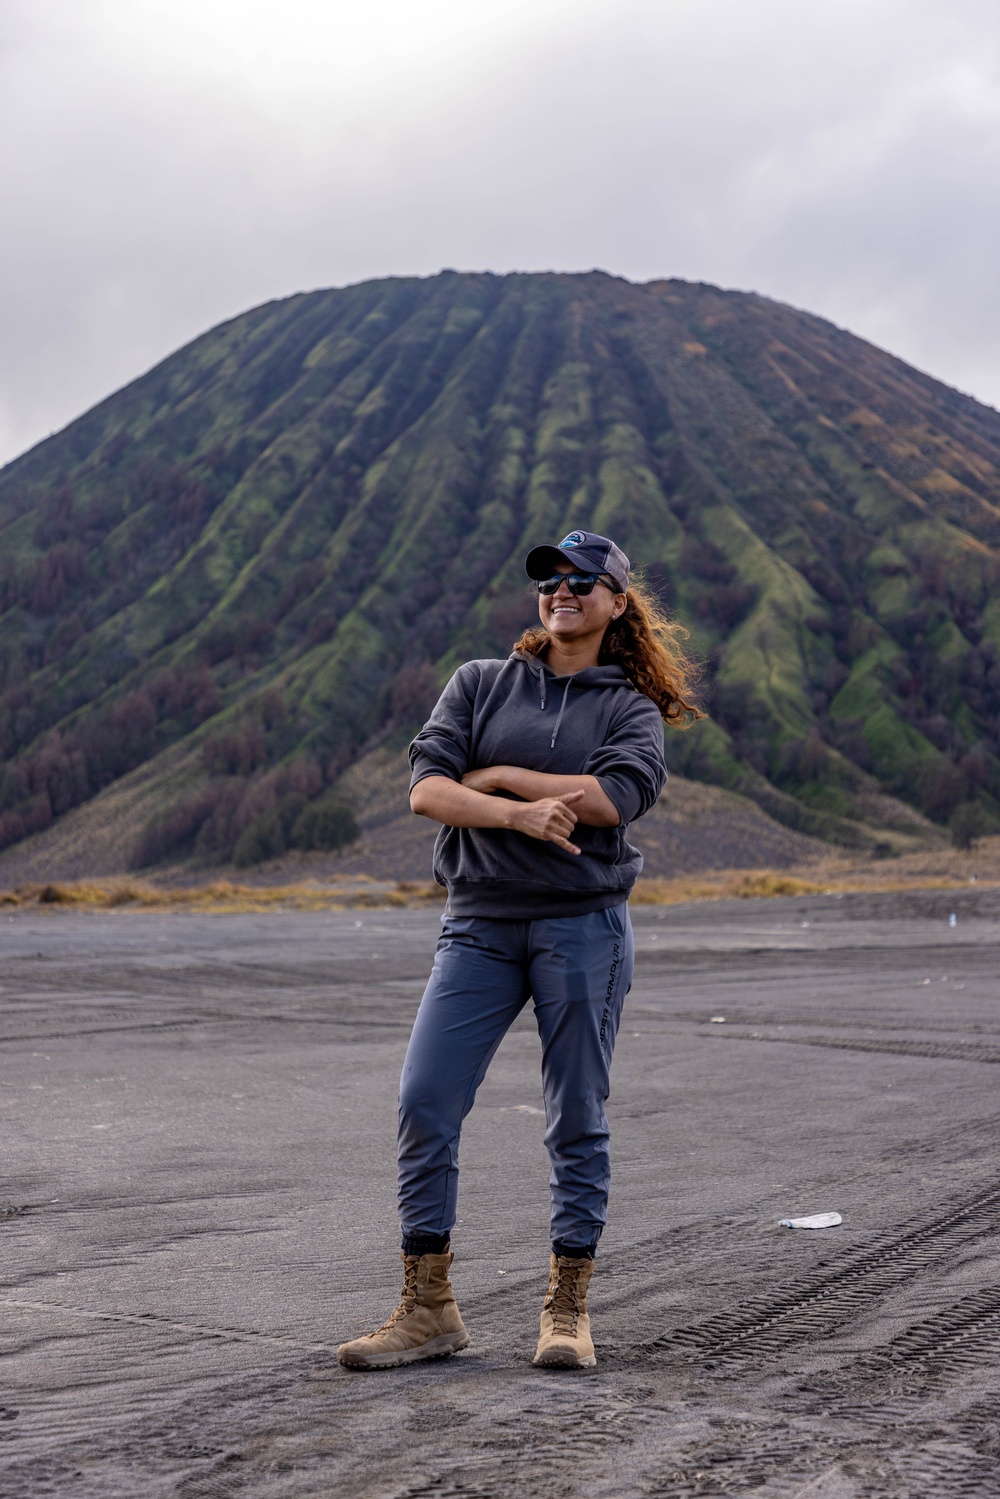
(562, 1302)
(407, 1300)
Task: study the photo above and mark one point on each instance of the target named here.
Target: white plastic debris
(817, 1220)
(953, 919)
(717, 1020)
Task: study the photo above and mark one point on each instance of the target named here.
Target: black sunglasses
(577, 583)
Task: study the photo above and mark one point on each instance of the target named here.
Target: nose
(563, 591)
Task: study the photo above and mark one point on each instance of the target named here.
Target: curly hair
(648, 648)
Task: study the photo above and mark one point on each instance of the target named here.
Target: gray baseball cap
(588, 552)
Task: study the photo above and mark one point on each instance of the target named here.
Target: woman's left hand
(486, 780)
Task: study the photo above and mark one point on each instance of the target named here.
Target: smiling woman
(534, 766)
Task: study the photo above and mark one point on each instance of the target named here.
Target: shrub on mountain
(725, 605)
(261, 840)
(59, 772)
(980, 769)
(247, 820)
(238, 751)
(941, 787)
(187, 695)
(414, 693)
(30, 817)
(967, 824)
(65, 633)
(304, 775)
(244, 639)
(325, 824)
(264, 734)
(703, 559)
(802, 761)
(175, 832)
(322, 626)
(47, 582)
(273, 710)
(228, 817)
(119, 740)
(270, 834)
(294, 822)
(72, 766)
(981, 687)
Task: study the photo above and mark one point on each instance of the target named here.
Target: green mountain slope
(259, 561)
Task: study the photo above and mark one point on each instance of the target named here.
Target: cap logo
(574, 539)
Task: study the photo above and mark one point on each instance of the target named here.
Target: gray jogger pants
(577, 970)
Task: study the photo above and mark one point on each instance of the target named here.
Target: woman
(534, 766)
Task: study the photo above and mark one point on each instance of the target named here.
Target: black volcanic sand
(198, 1206)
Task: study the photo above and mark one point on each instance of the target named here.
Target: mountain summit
(259, 561)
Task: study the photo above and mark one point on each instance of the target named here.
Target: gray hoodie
(517, 712)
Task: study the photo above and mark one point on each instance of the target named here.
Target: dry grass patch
(940, 869)
(219, 896)
(729, 885)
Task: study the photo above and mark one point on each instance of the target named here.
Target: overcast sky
(167, 163)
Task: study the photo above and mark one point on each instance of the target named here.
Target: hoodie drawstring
(562, 707)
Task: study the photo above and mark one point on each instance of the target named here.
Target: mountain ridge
(275, 544)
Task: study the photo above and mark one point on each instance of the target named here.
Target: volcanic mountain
(230, 585)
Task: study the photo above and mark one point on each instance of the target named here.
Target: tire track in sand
(817, 1305)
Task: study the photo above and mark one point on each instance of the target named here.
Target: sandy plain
(197, 1205)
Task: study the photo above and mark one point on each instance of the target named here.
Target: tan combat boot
(565, 1341)
(425, 1324)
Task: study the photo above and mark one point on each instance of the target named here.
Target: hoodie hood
(591, 676)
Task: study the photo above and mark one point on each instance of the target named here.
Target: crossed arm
(549, 807)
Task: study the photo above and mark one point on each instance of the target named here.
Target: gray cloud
(165, 166)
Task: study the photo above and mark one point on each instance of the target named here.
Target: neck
(565, 657)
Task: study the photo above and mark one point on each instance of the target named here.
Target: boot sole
(564, 1361)
(442, 1347)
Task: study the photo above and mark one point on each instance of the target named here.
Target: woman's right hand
(551, 819)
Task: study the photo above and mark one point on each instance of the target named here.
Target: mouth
(567, 609)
